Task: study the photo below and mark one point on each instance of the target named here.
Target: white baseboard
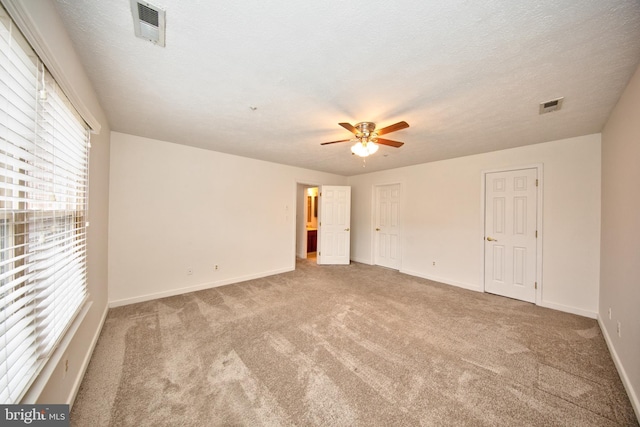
(568, 309)
(200, 287)
(362, 261)
(463, 285)
(633, 397)
(472, 287)
(85, 363)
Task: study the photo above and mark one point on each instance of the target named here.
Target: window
(44, 153)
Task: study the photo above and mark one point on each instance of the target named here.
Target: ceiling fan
(367, 137)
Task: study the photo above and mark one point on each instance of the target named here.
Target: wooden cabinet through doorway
(312, 240)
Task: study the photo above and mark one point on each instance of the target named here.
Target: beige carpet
(348, 345)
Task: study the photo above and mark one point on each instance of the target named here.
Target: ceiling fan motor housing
(366, 130)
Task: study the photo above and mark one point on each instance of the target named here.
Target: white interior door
(334, 225)
(510, 234)
(387, 226)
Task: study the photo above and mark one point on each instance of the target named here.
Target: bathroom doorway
(311, 225)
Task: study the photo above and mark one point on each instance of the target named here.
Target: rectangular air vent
(148, 21)
(549, 106)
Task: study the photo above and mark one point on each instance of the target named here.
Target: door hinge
(320, 194)
(536, 234)
(536, 285)
(536, 182)
(320, 224)
(319, 253)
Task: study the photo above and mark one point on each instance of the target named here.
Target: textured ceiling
(271, 79)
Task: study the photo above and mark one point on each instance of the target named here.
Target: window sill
(42, 379)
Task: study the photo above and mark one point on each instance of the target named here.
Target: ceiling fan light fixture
(364, 149)
(372, 147)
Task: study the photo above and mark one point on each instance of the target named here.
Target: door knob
(377, 229)
(491, 239)
(347, 229)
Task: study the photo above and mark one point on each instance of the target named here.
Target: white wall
(174, 207)
(620, 250)
(442, 219)
(54, 385)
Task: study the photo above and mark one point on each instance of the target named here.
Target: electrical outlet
(609, 313)
(619, 333)
(189, 271)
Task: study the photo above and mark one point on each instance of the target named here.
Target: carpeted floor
(348, 345)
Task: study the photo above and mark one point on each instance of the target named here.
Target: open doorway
(311, 226)
(323, 220)
(307, 221)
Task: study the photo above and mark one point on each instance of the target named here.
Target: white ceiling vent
(148, 21)
(549, 106)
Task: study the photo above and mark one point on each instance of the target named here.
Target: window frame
(44, 225)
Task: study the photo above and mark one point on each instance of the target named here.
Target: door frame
(299, 223)
(372, 221)
(539, 222)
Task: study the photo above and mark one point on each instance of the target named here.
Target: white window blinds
(44, 149)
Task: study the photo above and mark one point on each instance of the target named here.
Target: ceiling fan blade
(333, 142)
(349, 127)
(390, 142)
(393, 128)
